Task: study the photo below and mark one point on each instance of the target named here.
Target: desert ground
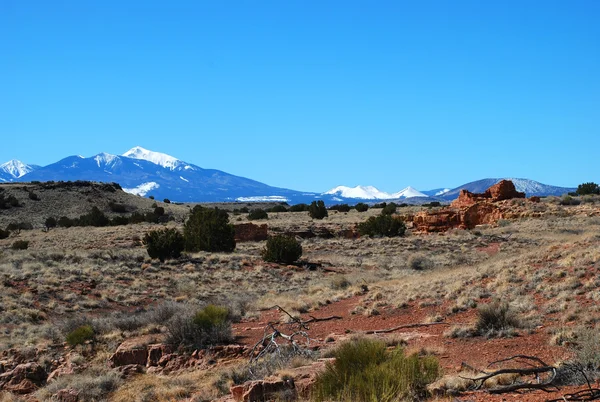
(426, 292)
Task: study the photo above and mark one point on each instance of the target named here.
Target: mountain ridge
(144, 173)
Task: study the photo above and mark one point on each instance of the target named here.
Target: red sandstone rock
(503, 190)
(66, 395)
(23, 379)
(133, 351)
(250, 232)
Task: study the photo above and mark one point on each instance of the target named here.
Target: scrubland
(536, 274)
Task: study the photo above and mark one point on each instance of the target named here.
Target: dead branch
(591, 394)
(536, 367)
(406, 326)
(315, 319)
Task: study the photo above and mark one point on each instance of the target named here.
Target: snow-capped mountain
(372, 193)
(160, 159)
(529, 187)
(144, 172)
(14, 169)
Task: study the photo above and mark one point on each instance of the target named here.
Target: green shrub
(379, 205)
(206, 327)
(151, 197)
(278, 208)
(80, 335)
(159, 211)
(317, 210)
(389, 209)
(167, 201)
(588, 188)
(164, 244)
(65, 222)
(364, 370)
(33, 196)
(496, 319)
(382, 225)
(420, 262)
(209, 230)
(50, 223)
(282, 249)
(257, 214)
(20, 245)
(569, 200)
(94, 218)
(361, 207)
(119, 221)
(19, 226)
(298, 208)
(340, 207)
(4, 234)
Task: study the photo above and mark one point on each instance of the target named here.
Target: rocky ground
(424, 291)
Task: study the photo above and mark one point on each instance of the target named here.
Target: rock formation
(468, 210)
(250, 232)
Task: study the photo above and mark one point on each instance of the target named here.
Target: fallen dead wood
(535, 367)
(317, 319)
(591, 394)
(406, 326)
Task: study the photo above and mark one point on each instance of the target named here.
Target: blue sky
(310, 94)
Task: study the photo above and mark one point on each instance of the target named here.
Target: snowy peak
(16, 168)
(408, 192)
(105, 159)
(372, 193)
(164, 160)
(364, 192)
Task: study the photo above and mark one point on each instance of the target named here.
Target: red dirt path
(477, 352)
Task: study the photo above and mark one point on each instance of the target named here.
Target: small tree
(298, 208)
(361, 207)
(50, 223)
(167, 201)
(340, 207)
(317, 210)
(164, 244)
(209, 230)
(588, 188)
(389, 209)
(257, 214)
(382, 225)
(282, 249)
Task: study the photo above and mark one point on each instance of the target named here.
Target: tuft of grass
(364, 370)
(496, 319)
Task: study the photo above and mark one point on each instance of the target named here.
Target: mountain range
(143, 172)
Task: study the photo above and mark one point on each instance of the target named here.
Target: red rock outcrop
(503, 190)
(23, 379)
(136, 351)
(250, 232)
(469, 209)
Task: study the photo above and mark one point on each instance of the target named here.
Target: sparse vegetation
(382, 225)
(210, 325)
(317, 210)
(496, 319)
(20, 245)
(361, 207)
(365, 371)
(209, 230)
(80, 335)
(164, 244)
(588, 188)
(389, 209)
(257, 214)
(282, 249)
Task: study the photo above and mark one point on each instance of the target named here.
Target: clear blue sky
(310, 94)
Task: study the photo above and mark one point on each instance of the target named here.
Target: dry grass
(545, 266)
